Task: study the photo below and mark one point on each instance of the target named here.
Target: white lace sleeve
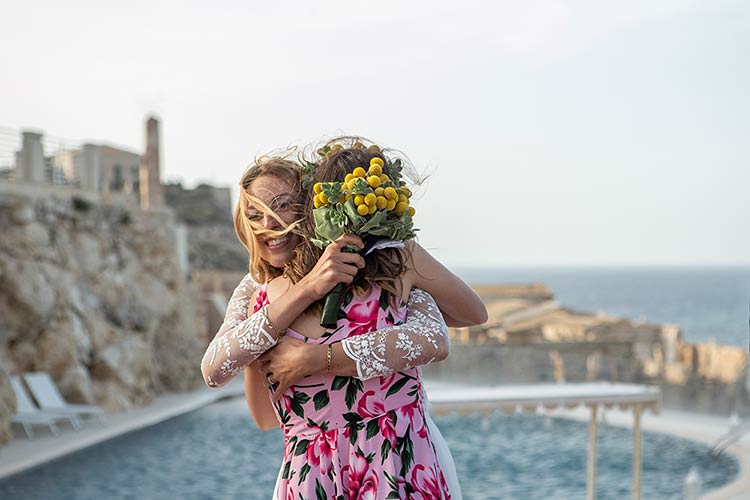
(240, 338)
(420, 340)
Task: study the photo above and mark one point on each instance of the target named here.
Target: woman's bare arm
(256, 396)
(459, 303)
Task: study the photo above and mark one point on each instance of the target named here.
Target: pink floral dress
(346, 438)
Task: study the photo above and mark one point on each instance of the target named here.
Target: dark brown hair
(383, 268)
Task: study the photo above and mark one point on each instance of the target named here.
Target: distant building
(97, 167)
(118, 169)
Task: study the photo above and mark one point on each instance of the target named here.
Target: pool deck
(21, 453)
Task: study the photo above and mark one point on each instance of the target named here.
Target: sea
(708, 303)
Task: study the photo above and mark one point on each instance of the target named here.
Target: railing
(58, 153)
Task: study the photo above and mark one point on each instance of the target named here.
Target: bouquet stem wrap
(332, 303)
(329, 318)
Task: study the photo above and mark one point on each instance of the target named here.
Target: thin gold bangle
(279, 332)
(329, 355)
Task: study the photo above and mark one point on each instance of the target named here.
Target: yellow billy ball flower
(376, 161)
(381, 202)
(323, 198)
(363, 209)
(384, 178)
(348, 178)
(405, 190)
(379, 191)
(370, 199)
(412, 211)
(403, 198)
(375, 169)
(373, 149)
(359, 172)
(401, 207)
(318, 187)
(316, 202)
(373, 181)
(372, 210)
(390, 193)
(359, 200)
(390, 205)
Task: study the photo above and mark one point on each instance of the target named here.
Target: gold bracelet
(329, 355)
(279, 332)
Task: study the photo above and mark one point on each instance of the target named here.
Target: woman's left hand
(289, 361)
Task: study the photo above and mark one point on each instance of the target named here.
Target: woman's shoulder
(276, 287)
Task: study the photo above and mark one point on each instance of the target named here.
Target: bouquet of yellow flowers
(373, 204)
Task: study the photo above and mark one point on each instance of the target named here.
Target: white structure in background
(181, 247)
(30, 160)
(94, 167)
(152, 195)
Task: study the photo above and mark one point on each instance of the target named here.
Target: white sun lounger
(49, 398)
(28, 415)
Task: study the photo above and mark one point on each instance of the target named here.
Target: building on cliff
(203, 214)
(99, 168)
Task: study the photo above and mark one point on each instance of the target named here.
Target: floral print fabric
(347, 438)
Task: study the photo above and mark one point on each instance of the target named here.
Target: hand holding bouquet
(373, 204)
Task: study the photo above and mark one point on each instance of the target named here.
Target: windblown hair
(384, 267)
(248, 230)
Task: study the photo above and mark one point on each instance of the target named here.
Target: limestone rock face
(7, 405)
(91, 293)
(76, 384)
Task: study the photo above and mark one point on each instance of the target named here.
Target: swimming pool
(216, 452)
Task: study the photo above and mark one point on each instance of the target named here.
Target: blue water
(217, 453)
(707, 303)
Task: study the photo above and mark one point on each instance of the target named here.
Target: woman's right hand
(334, 266)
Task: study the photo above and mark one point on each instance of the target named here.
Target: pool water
(216, 453)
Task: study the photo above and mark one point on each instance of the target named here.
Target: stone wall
(91, 293)
(707, 378)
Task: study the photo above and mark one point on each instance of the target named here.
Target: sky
(554, 133)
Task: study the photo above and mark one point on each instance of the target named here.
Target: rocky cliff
(91, 292)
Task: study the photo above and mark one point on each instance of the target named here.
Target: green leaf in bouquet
(325, 228)
(393, 169)
(319, 243)
(338, 217)
(384, 230)
(307, 173)
(350, 209)
(361, 186)
(375, 221)
(332, 191)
